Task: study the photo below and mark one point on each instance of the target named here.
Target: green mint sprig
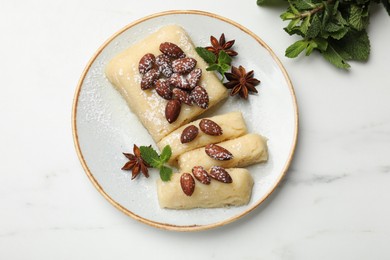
(152, 158)
(220, 64)
(334, 28)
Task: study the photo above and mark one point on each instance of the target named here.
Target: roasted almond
(172, 50)
(146, 63)
(189, 133)
(187, 183)
(218, 152)
(163, 63)
(182, 95)
(201, 174)
(172, 110)
(179, 81)
(200, 97)
(220, 174)
(183, 65)
(210, 127)
(149, 79)
(194, 77)
(163, 89)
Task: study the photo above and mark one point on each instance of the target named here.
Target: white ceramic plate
(104, 127)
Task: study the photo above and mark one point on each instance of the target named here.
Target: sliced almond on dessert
(200, 97)
(163, 89)
(189, 133)
(171, 49)
(220, 174)
(194, 77)
(172, 110)
(149, 78)
(183, 65)
(187, 183)
(146, 63)
(210, 127)
(201, 174)
(182, 96)
(218, 152)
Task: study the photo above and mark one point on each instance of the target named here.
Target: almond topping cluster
(214, 151)
(174, 77)
(218, 173)
(207, 126)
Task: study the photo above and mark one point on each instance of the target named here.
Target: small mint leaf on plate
(208, 56)
(166, 154)
(224, 58)
(165, 173)
(150, 156)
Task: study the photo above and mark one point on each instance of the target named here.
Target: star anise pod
(241, 82)
(220, 45)
(136, 163)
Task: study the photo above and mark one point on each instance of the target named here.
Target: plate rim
(167, 226)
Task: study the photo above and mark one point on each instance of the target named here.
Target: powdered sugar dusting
(184, 41)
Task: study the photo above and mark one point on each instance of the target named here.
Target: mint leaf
(212, 67)
(314, 28)
(332, 27)
(335, 8)
(335, 58)
(322, 44)
(150, 156)
(358, 17)
(293, 23)
(224, 58)
(165, 173)
(305, 25)
(339, 18)
(287, 16)
(153, 159)
(208, 56)
(304, 5)
(360, 49)
(295, 49)
(166, 154)
(340, 33)
(224, 67)
(222, 64)
(293, 8)
(310, 47)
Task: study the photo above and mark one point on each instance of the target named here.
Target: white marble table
(333, 204)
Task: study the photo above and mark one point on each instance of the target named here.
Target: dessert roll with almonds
(245, 150)
(231, 125)
(144, 76)
(214, 195)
